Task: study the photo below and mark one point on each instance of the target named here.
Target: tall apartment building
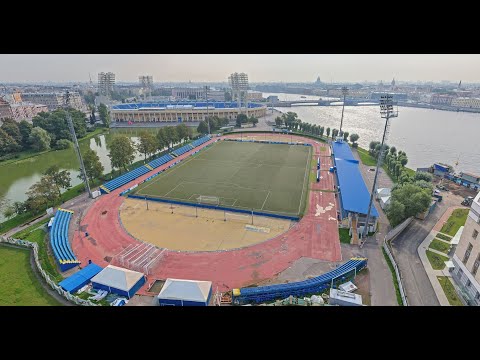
(54, 100)
(106, 82)
(5, 110)
(467, 256)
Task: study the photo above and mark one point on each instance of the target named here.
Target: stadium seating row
(125, 178)
(313, 285)
(160, 161)
(182, 150)
(59, 239)
(200, 141)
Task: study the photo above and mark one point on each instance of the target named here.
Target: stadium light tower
(344, 92)
(239, 84)
(75, 144)
(386, 112)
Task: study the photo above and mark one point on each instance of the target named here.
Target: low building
(440, 169)
(471, 179)
(117, 280)
(26, 111)
(466, 259)
(466, 102)
(273, 99)
(178, 292)
(194, 93)
(55, 100)
(81, 278)
(441, 99)
(255, 96)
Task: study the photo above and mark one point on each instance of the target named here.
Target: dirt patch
(454, 188)
(362, 282)
(107, 258)
(92, 240)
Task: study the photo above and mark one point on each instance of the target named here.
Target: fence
(47, 278)
(389, 237)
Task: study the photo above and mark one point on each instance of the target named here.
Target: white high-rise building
(106, 82)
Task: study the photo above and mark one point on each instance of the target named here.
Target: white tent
(384, 201)
(185, 292)
(383, 192)
(118, 280)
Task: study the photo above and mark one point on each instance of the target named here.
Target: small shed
(80, 278)
(343, 298)
(179, 292)
(118, 280)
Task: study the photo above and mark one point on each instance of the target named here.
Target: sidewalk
(431, 273)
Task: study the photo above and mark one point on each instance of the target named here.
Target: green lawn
(457, 219)
(440, 246)
(449, 291)
(344, 237)
(394, 278)
(19, 286)
(37, 234)
(437, 261)
(263, 177)
(444, 237)
(366, 158)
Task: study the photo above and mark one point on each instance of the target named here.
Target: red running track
(314, 236)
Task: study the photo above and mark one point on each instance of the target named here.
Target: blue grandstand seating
(160, 161)
(313, 285)
(125, 178)
(59, 240)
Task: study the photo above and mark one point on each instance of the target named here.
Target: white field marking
(173, 188)
(234, 202)
(304, 178)
(265, 200)
(331, 218)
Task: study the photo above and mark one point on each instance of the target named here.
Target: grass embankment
(20, 287)
(36, 233)
(436, 260)
(457, 219)
(440, 246)
(344, 236)
(394, 278)
(449, 291)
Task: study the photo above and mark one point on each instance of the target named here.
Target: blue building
(80, 278)
(178, 292)
(118, 280)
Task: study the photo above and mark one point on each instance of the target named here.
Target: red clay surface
(313, 236)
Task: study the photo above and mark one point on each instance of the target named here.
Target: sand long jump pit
(268, 178)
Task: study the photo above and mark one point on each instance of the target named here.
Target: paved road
(417, 285)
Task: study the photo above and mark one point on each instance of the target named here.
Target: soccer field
(267, 177)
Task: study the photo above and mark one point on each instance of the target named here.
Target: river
(426, 135)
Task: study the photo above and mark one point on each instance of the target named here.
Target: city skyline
(259, 67)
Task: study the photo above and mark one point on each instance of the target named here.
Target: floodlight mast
(386, 112)
(344, 92)
(75, 144)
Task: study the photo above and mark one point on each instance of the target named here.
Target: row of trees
(291, 121)
(394, 161)
(215, 124)
(409, 198)
(244, 119)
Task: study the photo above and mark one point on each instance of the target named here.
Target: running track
(314, 236)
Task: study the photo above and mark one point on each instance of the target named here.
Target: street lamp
(344, 92)
(386, 112)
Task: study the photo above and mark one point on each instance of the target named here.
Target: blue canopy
(80, 278)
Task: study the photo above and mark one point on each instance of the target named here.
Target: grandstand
(301, 288)
(59, 240)
(136, 173)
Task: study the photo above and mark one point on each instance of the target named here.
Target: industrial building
(466, 259)
(117, 280)
(178, 292)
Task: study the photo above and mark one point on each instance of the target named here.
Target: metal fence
(47, 278)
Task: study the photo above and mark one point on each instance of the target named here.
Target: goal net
(210, 200)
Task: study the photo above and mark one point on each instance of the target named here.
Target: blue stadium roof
(80, 278)
(182, 104)
(353, 191)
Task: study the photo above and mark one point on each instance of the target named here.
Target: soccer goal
(209, 200)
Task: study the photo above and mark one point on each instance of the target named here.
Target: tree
(353, 139)
(395, 213)
(425, 185)
(328, 132)
(334, 133)
(393, 150)
(404, 178)
(253, 120)
(241, 119)
(322, 129)
(162, 139)
(41, 194)
(147, 144)
(122, 152)
(345, 135)
(62, 144)
(10, 126)
(202, 127)
(421, 175)
(8, 208)
(93, 118)
(7, 143)
(415, 199)
(93, 166)
(278, 121)
(182, 132)
(60, 179)
(170, 135)
(403, 160)
(398, 167)
(25, 129)
(39, 139)
(55, 123)
(104, 115)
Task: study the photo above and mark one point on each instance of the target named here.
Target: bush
(354, 145)
(62, 144)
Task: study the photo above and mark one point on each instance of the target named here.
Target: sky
(259, 67)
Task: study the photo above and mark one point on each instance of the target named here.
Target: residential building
(466, 259)
(54, 100)
(26, 111)
(5, 110)
(466, 102)
(106, 82)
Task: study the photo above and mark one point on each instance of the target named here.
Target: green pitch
(266, 177)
